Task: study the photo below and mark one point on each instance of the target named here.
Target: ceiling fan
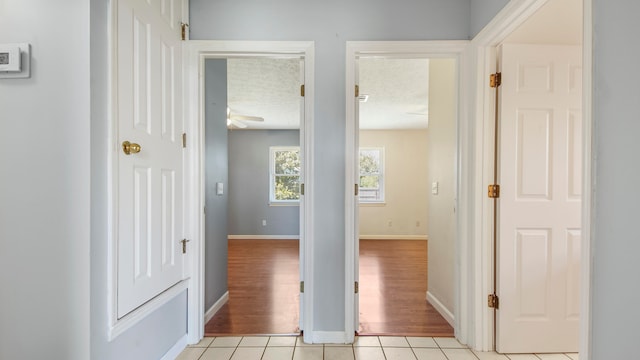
(238, 121)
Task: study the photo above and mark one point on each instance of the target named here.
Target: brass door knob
(130, 148)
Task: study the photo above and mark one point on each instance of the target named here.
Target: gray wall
(157, 333)
(44, 184)
(329, 24)
(216, 170)
(482, 11)
(615, 286)
(249, 184)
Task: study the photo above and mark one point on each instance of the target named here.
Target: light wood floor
(264, 284)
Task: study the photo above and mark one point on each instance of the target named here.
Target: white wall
(405, 182)
(441, 159)
(616, 243)
(44, 192)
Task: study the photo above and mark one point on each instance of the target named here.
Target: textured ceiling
(397, 89)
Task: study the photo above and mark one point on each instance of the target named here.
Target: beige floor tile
(219, 353)
(254, 341)
(459, 354)
(278, 353)
(553, 356)
(398, 353)
(226, 341)
(308, 353)
(421, 342)
(368, 353)
(338, 353)
(394, 341)
(490, 355)
(573, 356)
(300, 342)
(205, 342)
(448, 343)
(282, 341)
(429, 354)
(367, 341)
(190, 353)
(522, 357)
(248, 353)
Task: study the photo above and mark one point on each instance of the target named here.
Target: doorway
(406, 181)
(199, 53)
(358, 52)
(253, 109)
(511, 20)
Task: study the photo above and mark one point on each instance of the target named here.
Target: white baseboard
(176, 349)
(329, 337)
(439, 306)
(215, 307)
(263, 237)
(393, 237)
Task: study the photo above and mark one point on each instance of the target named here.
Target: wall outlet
(434, 188)
(417, 223)
(264, 222)
(389, 223)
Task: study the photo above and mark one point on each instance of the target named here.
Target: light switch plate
(434, 188)
(219, 188)
(15, 69)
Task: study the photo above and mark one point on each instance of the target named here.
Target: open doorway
(253, 172)
(406, 187)
(430, 54)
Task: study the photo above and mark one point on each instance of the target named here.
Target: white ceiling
(397, 89)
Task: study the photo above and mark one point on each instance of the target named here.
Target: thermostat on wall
(14, 60)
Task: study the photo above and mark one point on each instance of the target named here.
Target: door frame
(400, 49)
(195, 54)
(484, 55)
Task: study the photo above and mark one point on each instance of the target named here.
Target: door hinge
(184, 27)
(301, 286)
(184, 245)
(495, 80)
(356, 190)
(184, 140)
(302, 90)
(302, 189)
(357, 91)
(493, 301)
(356, 287)
(494, 191)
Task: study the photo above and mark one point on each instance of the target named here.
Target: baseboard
(393, 237)
(263, 237)
(215, 307)
(329, 337)
(176, 349)
(439, 306)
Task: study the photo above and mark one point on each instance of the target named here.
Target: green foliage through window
(285, 174)
(371, 175)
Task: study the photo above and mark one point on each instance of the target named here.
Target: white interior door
(149, 188)
(540, 171)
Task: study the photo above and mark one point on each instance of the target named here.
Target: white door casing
(540, 174)
(148, 186)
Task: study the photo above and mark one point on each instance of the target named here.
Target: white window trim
(272, 177)
(381, 176)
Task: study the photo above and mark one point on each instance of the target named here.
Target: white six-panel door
(540, 171)
(149, 207)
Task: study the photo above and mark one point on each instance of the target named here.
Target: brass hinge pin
(184, 140)
(357, 90)
(356, 287)
(301, 286)
(493, 301)
(184, 245)
(495, 80)
(302, 189)
(184, 27)
(302, 90)
(494, 191)
(356, 190)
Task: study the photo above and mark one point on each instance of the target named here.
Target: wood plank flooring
(264, 283)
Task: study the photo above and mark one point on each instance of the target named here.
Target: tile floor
(364, 348)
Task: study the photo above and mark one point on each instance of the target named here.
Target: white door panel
(150, 183)
(540, 171)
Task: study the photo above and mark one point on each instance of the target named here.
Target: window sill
(278, 203)
(373, 204)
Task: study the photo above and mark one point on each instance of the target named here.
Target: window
(284, 164)
(371, 188)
